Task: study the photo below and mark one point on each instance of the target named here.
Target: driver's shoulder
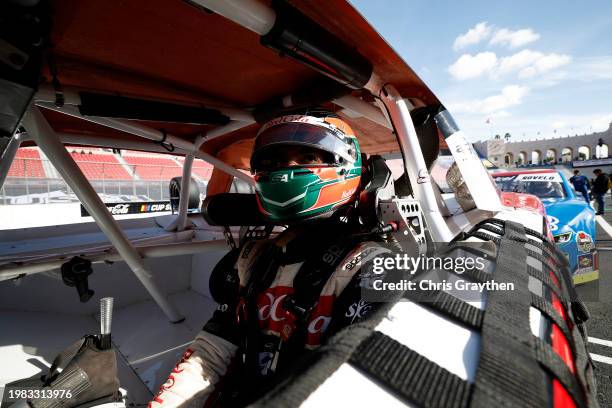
(361, 254)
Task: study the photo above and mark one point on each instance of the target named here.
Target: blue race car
(571, 218)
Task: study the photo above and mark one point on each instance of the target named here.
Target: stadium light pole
(49, 142)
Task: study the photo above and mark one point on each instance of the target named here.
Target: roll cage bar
(392, 111)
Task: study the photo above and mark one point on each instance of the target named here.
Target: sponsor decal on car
(553, 222)
(584, 242)
(585, 263)
(539, 177)
(133, 208)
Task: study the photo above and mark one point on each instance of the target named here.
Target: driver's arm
(205, 361)
(193, 379)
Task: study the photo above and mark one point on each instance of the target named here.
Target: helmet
(305, 167)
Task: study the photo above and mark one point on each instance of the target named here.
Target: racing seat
(378, 184)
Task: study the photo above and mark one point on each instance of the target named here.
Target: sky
(534, 69)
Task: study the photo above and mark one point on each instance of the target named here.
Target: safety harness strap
(546, 280)
(409, 374)
(543, 246)
(541, 276)
(547, 310)
(551, 361)
(508, 373)
(448, 305)
(578, 308)
(584, 365)
(478, 275)
(528, 231)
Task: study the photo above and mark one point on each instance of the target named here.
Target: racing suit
(581, 185)
(599, 189)
(292, 292)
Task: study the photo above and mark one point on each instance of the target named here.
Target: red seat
(153, 167)
(27, 163)
(200, 168)
(100, 166)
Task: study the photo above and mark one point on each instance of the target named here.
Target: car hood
(568, 210)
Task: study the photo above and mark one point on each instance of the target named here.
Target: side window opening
(34, 193)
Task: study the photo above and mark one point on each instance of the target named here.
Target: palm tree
(507, 136)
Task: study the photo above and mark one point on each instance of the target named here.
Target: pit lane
(598, 296)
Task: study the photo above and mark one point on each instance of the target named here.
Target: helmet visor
(300, 144)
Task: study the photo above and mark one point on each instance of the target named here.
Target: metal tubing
(181, 219)
(46, 96)
(149, 251)
(363, 108)
(225, 129)
(102, 141)
(259, 18)
(250, 14)
(50, 144)
(415, 163)
(9, 155)
(155, 135)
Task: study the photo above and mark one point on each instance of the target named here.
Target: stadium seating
(27, 163)
(200, 168)
(153, 167)
(100, 166)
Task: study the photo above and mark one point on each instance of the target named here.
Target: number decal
(554, 223)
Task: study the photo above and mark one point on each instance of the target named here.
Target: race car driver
(292, 291)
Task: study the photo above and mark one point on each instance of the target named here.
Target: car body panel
(571, 219)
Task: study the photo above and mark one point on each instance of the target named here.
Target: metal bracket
(407, 214)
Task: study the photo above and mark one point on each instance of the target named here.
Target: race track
(598, 296)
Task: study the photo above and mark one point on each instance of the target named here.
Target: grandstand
(116, 176)
(27, 163)
(200, 168)
(100, 166)
(150, 166)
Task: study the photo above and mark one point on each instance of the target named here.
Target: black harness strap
(543, 246)
(584, 364)
(508, 373)
(314, 274)
(547, 310)
(477, 275)
(448, 305)
(535, 255)
(578, 308)
(410, 374)
(545, 279)
(528, 231)
(551, 361)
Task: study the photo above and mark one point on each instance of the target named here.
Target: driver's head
(305, 167)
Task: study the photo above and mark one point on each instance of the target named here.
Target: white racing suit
(199, 378)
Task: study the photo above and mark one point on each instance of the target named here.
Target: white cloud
(473, 36)
(472, 66)
(529, 125)
(530, 63)
(525, 63)
(593, 68)
(499, 114)
(601, 122)
(559, 124)
(493, 105)
(514, 39)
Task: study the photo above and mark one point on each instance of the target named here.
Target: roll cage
(354, 72)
